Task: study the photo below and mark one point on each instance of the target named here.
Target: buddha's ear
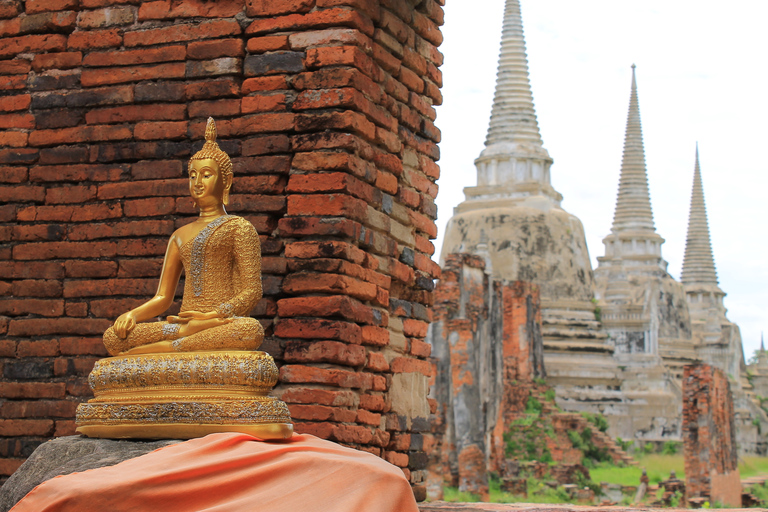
(227, 187)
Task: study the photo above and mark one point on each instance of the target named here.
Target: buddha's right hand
(124, 324)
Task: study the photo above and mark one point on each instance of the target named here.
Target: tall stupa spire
(513, 117)
(514, 166)
(698, 263)
(633, 239)
(633, 204)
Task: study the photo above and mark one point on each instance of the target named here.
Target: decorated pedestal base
(183, 396)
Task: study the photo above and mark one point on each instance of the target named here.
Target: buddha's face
(206, 185)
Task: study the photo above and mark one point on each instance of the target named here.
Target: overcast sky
(702, 75)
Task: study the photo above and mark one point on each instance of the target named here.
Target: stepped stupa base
(184, 396)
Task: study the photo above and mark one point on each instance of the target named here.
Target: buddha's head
(210, 170)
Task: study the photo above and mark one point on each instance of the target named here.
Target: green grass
(657, 466)
(752, 466)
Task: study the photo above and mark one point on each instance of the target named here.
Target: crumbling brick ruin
(709, 436)
(326, 107)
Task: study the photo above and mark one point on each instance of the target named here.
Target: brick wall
(709, 436)
(326, 107)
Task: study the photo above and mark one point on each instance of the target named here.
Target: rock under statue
(197, 372)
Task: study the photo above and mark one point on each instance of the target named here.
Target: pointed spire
(633, 204)
(513, 118)
(698, 263)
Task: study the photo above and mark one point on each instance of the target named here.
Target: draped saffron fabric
(232, 472)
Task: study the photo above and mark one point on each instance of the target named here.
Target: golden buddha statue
(198, 372)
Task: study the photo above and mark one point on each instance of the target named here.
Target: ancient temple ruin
(514, 213)
(615, 343)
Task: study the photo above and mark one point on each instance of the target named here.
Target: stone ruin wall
(486, 356)
(326, 107)
(709, 436)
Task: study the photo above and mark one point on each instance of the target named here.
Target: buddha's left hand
(195, 321)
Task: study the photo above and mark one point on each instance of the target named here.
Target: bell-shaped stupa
(529, 237)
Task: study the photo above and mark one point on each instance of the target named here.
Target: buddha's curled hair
(211, 150)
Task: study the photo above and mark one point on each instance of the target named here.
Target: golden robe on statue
(223, 268)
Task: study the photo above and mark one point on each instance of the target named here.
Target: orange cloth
(233, 472)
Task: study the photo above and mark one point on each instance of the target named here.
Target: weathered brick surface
(326, 107)
(709, 436)
(483, 343)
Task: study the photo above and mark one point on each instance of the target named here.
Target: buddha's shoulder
(238, 223)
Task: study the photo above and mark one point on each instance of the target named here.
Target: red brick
(264, 83)
(29, 390)
(42, 307)
(166, 9)
(168, 130)
(47, 326)
(396, 459)
(368, 418)
(24, 121)
(220, 88)
(82, 346)
(13, 82)
(78, 173)
(263, 103)
(39, 409)
(334, 305)
(340, 56)
(327, 205)
(318, 19)
(37, 288)
(203, 50)
(323, 352)
(377, 362)
(216, 109)
(410, 365)
(316, 328)
(10, 9)
(21, 193)
(38, 348)
(94, 39)
(259, 8)
(70, 194)
(164, 112)
(108, 17)
(13, 139)
(36, 6)
(320, 413)
(15, 67)
(133, 57)
(299, 395)
(76, 309)
(90, 268)
(348, 120)
(375, 336)
(258, 45)
(18, 427)
(94, 77)
(7, 348)
(263, 145)
(94, 133)
(340, 378)
(65, 428)
(375, 403)
(186, 32)
(330, 36)
(420, 348)
(28, 269)
(11, 103)
(328, 283)
(32, 44)
(9, 466)
(53, 250)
